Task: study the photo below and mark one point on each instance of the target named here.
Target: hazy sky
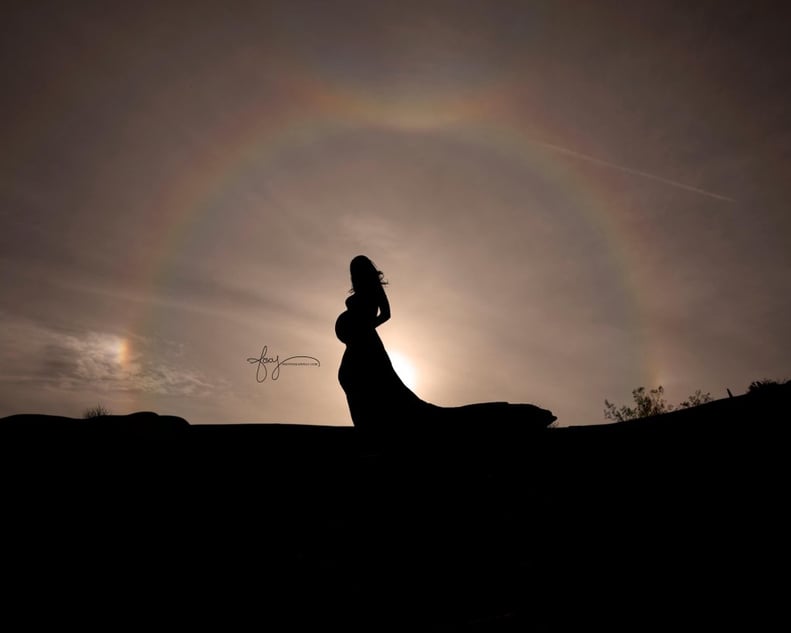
(569, 200)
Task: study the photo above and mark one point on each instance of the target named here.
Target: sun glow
(405, 369)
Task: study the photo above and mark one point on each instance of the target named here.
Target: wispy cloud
(99, 361)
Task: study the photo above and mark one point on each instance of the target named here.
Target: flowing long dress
(379, 400)
(375, 393)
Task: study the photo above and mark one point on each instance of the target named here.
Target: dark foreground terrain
(144, 520)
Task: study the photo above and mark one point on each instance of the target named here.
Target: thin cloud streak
(629, 170)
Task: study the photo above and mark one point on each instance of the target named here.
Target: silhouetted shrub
(766, 384)
(696, 399)
(651, 403)
(96, 412)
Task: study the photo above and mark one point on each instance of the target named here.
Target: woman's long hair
(365, 275)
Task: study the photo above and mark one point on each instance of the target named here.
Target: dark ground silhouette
(379, 401)
(677, 520)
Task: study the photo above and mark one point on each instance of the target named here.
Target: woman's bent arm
(384, 309)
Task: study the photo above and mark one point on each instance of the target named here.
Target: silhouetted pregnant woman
(375, 393)
(377, 397)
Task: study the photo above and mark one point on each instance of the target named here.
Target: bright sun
(405, 369)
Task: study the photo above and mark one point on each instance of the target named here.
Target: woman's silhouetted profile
(377, 397)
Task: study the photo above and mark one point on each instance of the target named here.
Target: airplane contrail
(634, 172)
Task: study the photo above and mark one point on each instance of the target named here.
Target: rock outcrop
(676, 520)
